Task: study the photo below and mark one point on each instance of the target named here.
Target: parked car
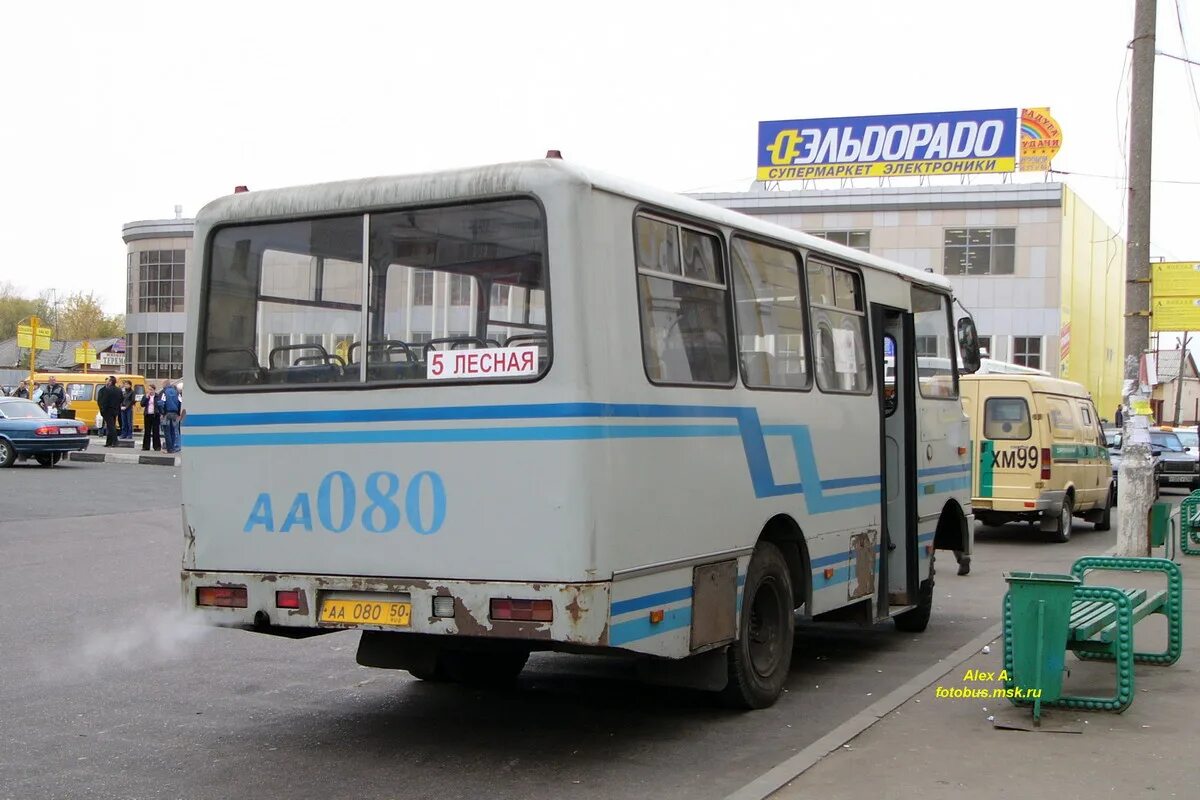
(27, 430)
(1112, 437)
(1180, 468)
(1189, 437)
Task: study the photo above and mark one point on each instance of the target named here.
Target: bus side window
(684, 304)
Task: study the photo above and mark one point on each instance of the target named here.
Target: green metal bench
(1101, 628)
(1189, 524)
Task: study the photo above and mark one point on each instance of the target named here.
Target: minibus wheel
(1105, 521)
(1062, 526)
(759, 661)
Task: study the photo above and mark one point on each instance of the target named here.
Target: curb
(784, 773)
(776, 778)
(153, 459)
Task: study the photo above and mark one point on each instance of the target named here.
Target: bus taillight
(223, 596)
(523, 610)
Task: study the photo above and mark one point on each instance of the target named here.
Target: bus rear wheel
(482, 669)
(759, 661)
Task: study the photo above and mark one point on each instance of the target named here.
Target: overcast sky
(114, 112)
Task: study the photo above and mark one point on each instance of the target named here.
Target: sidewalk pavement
(933, 748)
(96, 452)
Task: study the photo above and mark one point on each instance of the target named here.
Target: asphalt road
(105, 692)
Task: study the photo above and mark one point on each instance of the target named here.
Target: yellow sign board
(1041, 139)
(1142, 408)
(1175, 279)
(27, 340)
(1175, 313)
(85, 353)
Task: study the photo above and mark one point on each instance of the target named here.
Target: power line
(1177, 58)
(1188, 58)
(1116, 177)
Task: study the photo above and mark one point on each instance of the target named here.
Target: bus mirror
(968, 345)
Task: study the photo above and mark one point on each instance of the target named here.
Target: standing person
(22, 390)
(127, 400)
(108, 398)
(1119, 417)
(150, 423)
(172, 412)
(54, 396)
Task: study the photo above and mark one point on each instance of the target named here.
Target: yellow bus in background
(81, 391)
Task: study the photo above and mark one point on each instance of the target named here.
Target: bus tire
(916, 620)
(487, 669)
(760, 659)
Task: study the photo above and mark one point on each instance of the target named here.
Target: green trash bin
(1040, 606)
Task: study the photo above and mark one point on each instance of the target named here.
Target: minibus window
(1006, 418)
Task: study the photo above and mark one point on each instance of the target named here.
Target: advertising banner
(1175, 313)
(1041, 139)
(1175, 279)
(947, 143)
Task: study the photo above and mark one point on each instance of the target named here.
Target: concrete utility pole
(1136, 476)
(1183, 356)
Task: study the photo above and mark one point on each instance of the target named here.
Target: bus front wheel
(758, 662)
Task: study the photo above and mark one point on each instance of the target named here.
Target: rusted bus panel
(863, 547)
(580, 609)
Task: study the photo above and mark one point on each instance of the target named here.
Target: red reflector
(522, 610)
(1028, 505)
(288, 599)
(226, 596)
(1045, 463)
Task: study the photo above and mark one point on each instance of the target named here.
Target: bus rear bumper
(579, 611)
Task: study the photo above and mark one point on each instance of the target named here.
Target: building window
(859, 240)
(460, 290)
(500, 294)
(160, 355)
(985, 346)
(1027, 351)
(160, 280)
(422, 283)
(927, 346)
(979, 251)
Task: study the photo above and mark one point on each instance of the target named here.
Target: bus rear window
(1006, 418)
(447, 294)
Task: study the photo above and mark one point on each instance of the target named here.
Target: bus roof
(371, 193)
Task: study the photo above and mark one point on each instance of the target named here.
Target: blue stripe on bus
(527, 434)
(641, 627)
(752, 433)
(648, 600)
(946, 485)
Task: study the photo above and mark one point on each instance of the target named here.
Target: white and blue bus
(483, 412)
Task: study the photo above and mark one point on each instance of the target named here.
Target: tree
(15, 307)
(81, 317)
